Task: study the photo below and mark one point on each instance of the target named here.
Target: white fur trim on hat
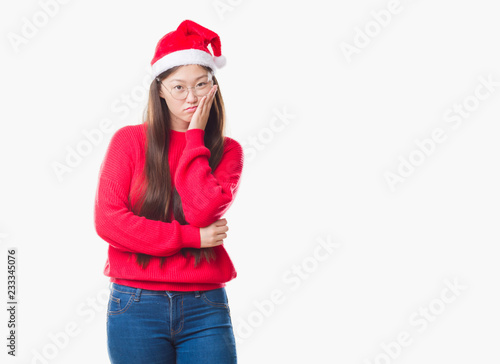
(181, 58)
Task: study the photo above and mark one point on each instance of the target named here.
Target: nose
(191, 97)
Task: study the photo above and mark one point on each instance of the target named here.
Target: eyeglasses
(180, 92)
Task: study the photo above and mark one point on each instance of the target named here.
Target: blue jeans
(162, 327)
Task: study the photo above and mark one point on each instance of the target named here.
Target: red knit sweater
(205, 197)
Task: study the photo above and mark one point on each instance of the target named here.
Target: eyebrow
(176, 79)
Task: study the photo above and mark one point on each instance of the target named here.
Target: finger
(221, 222)
(218, 242)
(202, 102)
(213, 92)
(199, 110)
(209, 97)
(221, 229)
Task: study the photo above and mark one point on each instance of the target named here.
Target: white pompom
(220, 61)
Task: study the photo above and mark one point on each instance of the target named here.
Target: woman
(163, 188)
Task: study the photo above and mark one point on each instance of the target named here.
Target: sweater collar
(177, 135)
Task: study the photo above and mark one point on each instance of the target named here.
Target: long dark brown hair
(157, 195)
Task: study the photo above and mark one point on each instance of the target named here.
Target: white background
(323, 177)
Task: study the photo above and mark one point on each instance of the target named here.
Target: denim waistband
(141, 291)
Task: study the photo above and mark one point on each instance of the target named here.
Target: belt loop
(138, 294)
(197, 294)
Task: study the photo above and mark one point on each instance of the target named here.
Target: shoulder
(232, 144)
(234, 149)
(131, 130)
(129, 136)
(127, 142)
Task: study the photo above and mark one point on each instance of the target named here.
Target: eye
(178, 88)
(201, 84)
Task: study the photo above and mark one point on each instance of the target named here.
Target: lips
(191, 108)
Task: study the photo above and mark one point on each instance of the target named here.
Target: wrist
(195, 137)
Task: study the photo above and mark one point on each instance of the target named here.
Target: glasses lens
(179, 92)
(203, 88)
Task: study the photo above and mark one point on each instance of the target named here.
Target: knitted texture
(205, 194)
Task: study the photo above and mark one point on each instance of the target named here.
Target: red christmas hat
(187, 45)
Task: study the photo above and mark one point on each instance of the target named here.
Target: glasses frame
(211, 81)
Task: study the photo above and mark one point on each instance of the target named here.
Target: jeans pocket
(119, 301)
(216, 298)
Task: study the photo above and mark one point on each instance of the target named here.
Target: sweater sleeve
(206, 196)
(113, 219)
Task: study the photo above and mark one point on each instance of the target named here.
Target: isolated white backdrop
(322, 177)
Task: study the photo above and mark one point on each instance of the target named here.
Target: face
(185, 77)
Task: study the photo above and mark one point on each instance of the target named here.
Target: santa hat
(187, 45)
